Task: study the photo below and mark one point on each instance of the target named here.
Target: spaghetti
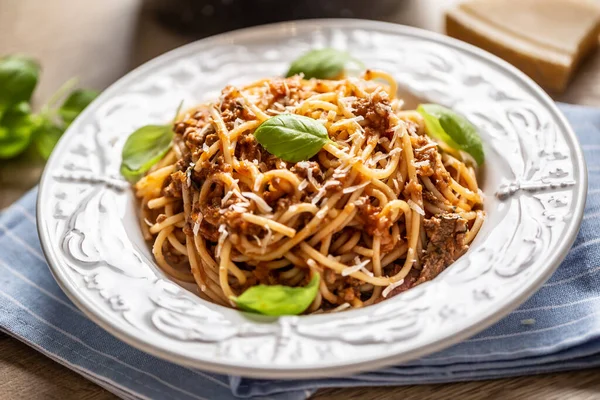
(381, 208)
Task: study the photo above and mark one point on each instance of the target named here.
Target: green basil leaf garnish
(292, 137)
(321, 64)
(144, 148)
(16, 129)
(18, 78)
(452, 128)
(77, 101)
(278, 300)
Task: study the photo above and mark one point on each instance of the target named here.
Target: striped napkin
(557, 329)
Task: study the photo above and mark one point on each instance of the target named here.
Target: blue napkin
(557, 329)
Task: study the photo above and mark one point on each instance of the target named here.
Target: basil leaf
(11, 145)
(321, 64)
(144, 148)
(18, 78)
(46, 137)
(454, 129)
(16, 128)
(292, 137)
(277, 299)
(77, 101)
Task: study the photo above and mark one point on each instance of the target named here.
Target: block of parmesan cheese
(546, 39)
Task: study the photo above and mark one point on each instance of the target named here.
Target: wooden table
(99, 41)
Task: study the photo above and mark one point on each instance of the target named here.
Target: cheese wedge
(546, 39)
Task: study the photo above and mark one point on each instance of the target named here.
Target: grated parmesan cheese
(427, 146)
(418, 164)
(351, 189)
(258, 182)
(383, 140)
(391, 287)
(382, 156)
(397, 135)
(350, 138)
(303, 184)
(350, 270)
(347, 101)
(356, 119)
(239, 196)
(309, 175)
(318, 197)
(267, 239)
(322, 212)
(341, 307)
(287, 89)
(188, 175)
(395, 151)
(415, 207)
(340, 173)
(323, 190)
(205, 129)
(260, 202)
(239, 207)
(361, 201)
(360, 266)
(378, 157)
(237, 122)
(222, 237)
(226, 197)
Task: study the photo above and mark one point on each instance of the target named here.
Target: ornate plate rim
(501, 309)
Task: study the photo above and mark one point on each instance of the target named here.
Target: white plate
(535, 185)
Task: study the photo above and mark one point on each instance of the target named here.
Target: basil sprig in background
(20, 128)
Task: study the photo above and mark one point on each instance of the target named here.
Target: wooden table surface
(99, 41)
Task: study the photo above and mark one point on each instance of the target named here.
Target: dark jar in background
(207, 17)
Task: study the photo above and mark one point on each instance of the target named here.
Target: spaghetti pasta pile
(381, 208)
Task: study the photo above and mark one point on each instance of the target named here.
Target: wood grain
(29, 375)
(100, 41)
(26, 374)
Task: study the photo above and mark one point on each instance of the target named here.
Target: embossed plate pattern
(534, 181)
